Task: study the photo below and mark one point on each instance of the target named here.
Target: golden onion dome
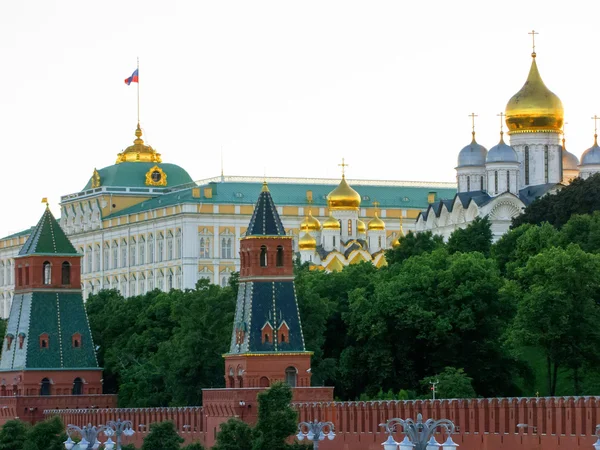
(307, 242)
(331, 223)
(343, 197)
(535, 108)
(361, 227)
(395, 242)
(310, 224)
(138, 152)
(376, 224)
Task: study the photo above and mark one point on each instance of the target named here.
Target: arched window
(123, 253)
(349, 227)
(142, 252)
(508, 181)
(76, 340)
(77, 386)
(264, 382)
(279, 256)
(204, 247)
(88, 259)
(379, 242)
(546, 163)
(132, 252)
(150, 249)
(290, 376)
(45, 387)
(267, 338)
(66, 273)
(526, 165)
(282, 337)
(105, 255)
(481, 183)
(334, 241)
(47, 272)
(263, 256)
(496, 182)
(160, 247)
(468, 184)
(169, 245)
(178, 244)
(115, 255)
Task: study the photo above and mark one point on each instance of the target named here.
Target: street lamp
(316, 431)
(118, 428)
(89, 438)
(419, 435)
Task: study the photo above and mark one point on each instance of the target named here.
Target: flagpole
(138, 89)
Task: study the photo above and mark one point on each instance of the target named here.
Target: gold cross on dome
(343, 165)
(376, 204)
(595, 118)
(472, 116)
(533, 33)
(501, 115)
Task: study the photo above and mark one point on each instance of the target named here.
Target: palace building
(142, 224)
(501, 182)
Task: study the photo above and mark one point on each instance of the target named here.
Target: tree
(476, 237)
(412, 245)
(194, 446)
(451, 383)
(579, 197)
(234, 435)
(13, 435)
(583, 230)
(277, 420)
(557, 310)
(46, 435)
(162, 436)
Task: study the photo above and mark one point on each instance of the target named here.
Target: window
(76, 340)
(132, 252)
(546, 163)
(349, 227)
(496, 182)
(45, 386)
(169, 246)
(106, 255)
(160, 280)
(283, 338)
(9, 339)
(508, 181)
(123, 253)
(263, 256)
(169, 280)
(88, 260)
(123, 287)
(178, 244)
(21, 340)
(468, 184)
(66, 273)
(115, 255)
(19, 276)
(481, 183)
(47, 272)
(150, 281)
(226, 250)
(132, 285)
(77, 386)
(379, 242)
(178, 278)
(97, 257)
(290, 376)
(142, 244)
(334, 241)
(44, 340)
(150, 249)
(204, 247)
(526, 165)
(279, 256)
(2, 274)
(160, 247)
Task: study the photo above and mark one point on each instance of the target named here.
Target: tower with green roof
(48, 351)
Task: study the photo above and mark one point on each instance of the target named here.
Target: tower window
(279, 261)
(290, 376)
(508, 181)
(283, 338)
(546, 163)
(526, 165)
(45, 387)
(496, 181)
(47, 272)
(77, 386)
(44, 340)
(468, 184)
(379, 242)
(263, 256)
(334, 241)
(66, 273)
(349, 227)
(481, 183)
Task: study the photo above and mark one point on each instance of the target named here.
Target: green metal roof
(294, 194)
(47, 238)
(133, 174)
(19, 234)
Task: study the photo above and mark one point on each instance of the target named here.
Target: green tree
(579, 197)
(451, 383)
(583, 230)
(194, 446)
(234, 435)
(162, 436)
(13, 435)
(557, 311)
(128, 447)
(277, 420)
(46, 435)
(413, 245)
(476, 237)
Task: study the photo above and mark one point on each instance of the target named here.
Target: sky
(282, 88)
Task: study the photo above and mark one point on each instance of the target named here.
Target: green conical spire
(48, 238)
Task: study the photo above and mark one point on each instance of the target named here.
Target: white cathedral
(501, 182)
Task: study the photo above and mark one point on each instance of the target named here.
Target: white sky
(286, 87)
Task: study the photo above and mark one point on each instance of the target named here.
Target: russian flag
(133, 78)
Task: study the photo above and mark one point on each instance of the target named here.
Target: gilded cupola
(535, 108)
(307, 242)
(138, 152)
(361, 227)
(331, 223)
(376, 224)
(343, 197)
(310, 224)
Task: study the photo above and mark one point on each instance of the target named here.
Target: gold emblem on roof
(156, 177)
(138, 152)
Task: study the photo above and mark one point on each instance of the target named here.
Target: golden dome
(343, 197)
(361, 227)
(534, 108)
(138, 152)
(307, 242)
(395, 242)
(376, 224)
(310, 224)
(331, 223)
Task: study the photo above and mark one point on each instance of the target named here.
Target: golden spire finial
(265, 186)
(501, 115)
(45, 200)
(343, 166)
(533, 33)
(472, 116)
(595, 129)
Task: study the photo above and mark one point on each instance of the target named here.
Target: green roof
(294, 194)
(47, 238)
(19, 234)
(133, 174)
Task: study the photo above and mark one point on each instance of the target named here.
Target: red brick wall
(250, 249)
(34, 265)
